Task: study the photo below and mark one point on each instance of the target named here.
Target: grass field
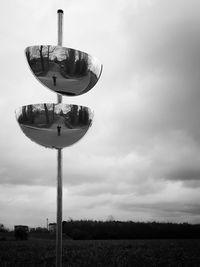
(133, 253)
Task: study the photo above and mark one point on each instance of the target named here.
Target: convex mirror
(65, 71)
(54, 125)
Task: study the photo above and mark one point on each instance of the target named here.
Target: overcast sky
(141, 158)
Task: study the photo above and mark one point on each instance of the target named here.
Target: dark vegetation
(114, 230)
(162, 250)
(103, 253)
(84, 230)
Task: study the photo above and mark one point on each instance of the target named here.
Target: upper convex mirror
(63, 70)
(54, 125)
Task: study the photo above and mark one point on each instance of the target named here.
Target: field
(177, 253)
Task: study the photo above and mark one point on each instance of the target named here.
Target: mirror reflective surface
(54, 125)
(64, 70)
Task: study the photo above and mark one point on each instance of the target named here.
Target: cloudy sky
(141, 158)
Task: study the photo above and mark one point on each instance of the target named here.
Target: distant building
(52, 227)
(21, 227)
(21, 232)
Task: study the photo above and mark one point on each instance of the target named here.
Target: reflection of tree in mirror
(50, 50)
(80, 117)
(83, 116)
(28, 55)
(42, 115)
(39, 58)
(75, 63)
(73, 115)
(82, 63)
(26, 115)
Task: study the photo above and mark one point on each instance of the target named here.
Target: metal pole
(60, 37)
(60, 26)
(59, 211)
(59, 170)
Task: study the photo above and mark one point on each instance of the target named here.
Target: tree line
(87, 229)
(113, 230)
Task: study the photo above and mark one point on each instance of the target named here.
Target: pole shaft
(59, 210)
(60, 39)
(59, 170)
(60, 26)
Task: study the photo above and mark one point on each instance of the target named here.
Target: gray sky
(141, 158)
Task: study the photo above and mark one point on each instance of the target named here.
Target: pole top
(60, 11)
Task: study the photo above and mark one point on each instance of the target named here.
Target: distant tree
(129, 230)
(30, 113)
(3, 229)
(71, 61)
(23, 116)
(110, 218)
(83, 116)
(50, 50)
(73, 115)
(42, 58)
(81, 63)
(28, 55)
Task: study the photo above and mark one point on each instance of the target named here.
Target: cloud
(166, 211)
(185, 174)
(172, 203)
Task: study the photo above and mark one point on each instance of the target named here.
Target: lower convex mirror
(54, 125)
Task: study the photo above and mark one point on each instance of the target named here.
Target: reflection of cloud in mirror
(54, 125)
(64, 70)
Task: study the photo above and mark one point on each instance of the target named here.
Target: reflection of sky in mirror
(62, 108)
(18, 112)
(140, 159)
(94, 65)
